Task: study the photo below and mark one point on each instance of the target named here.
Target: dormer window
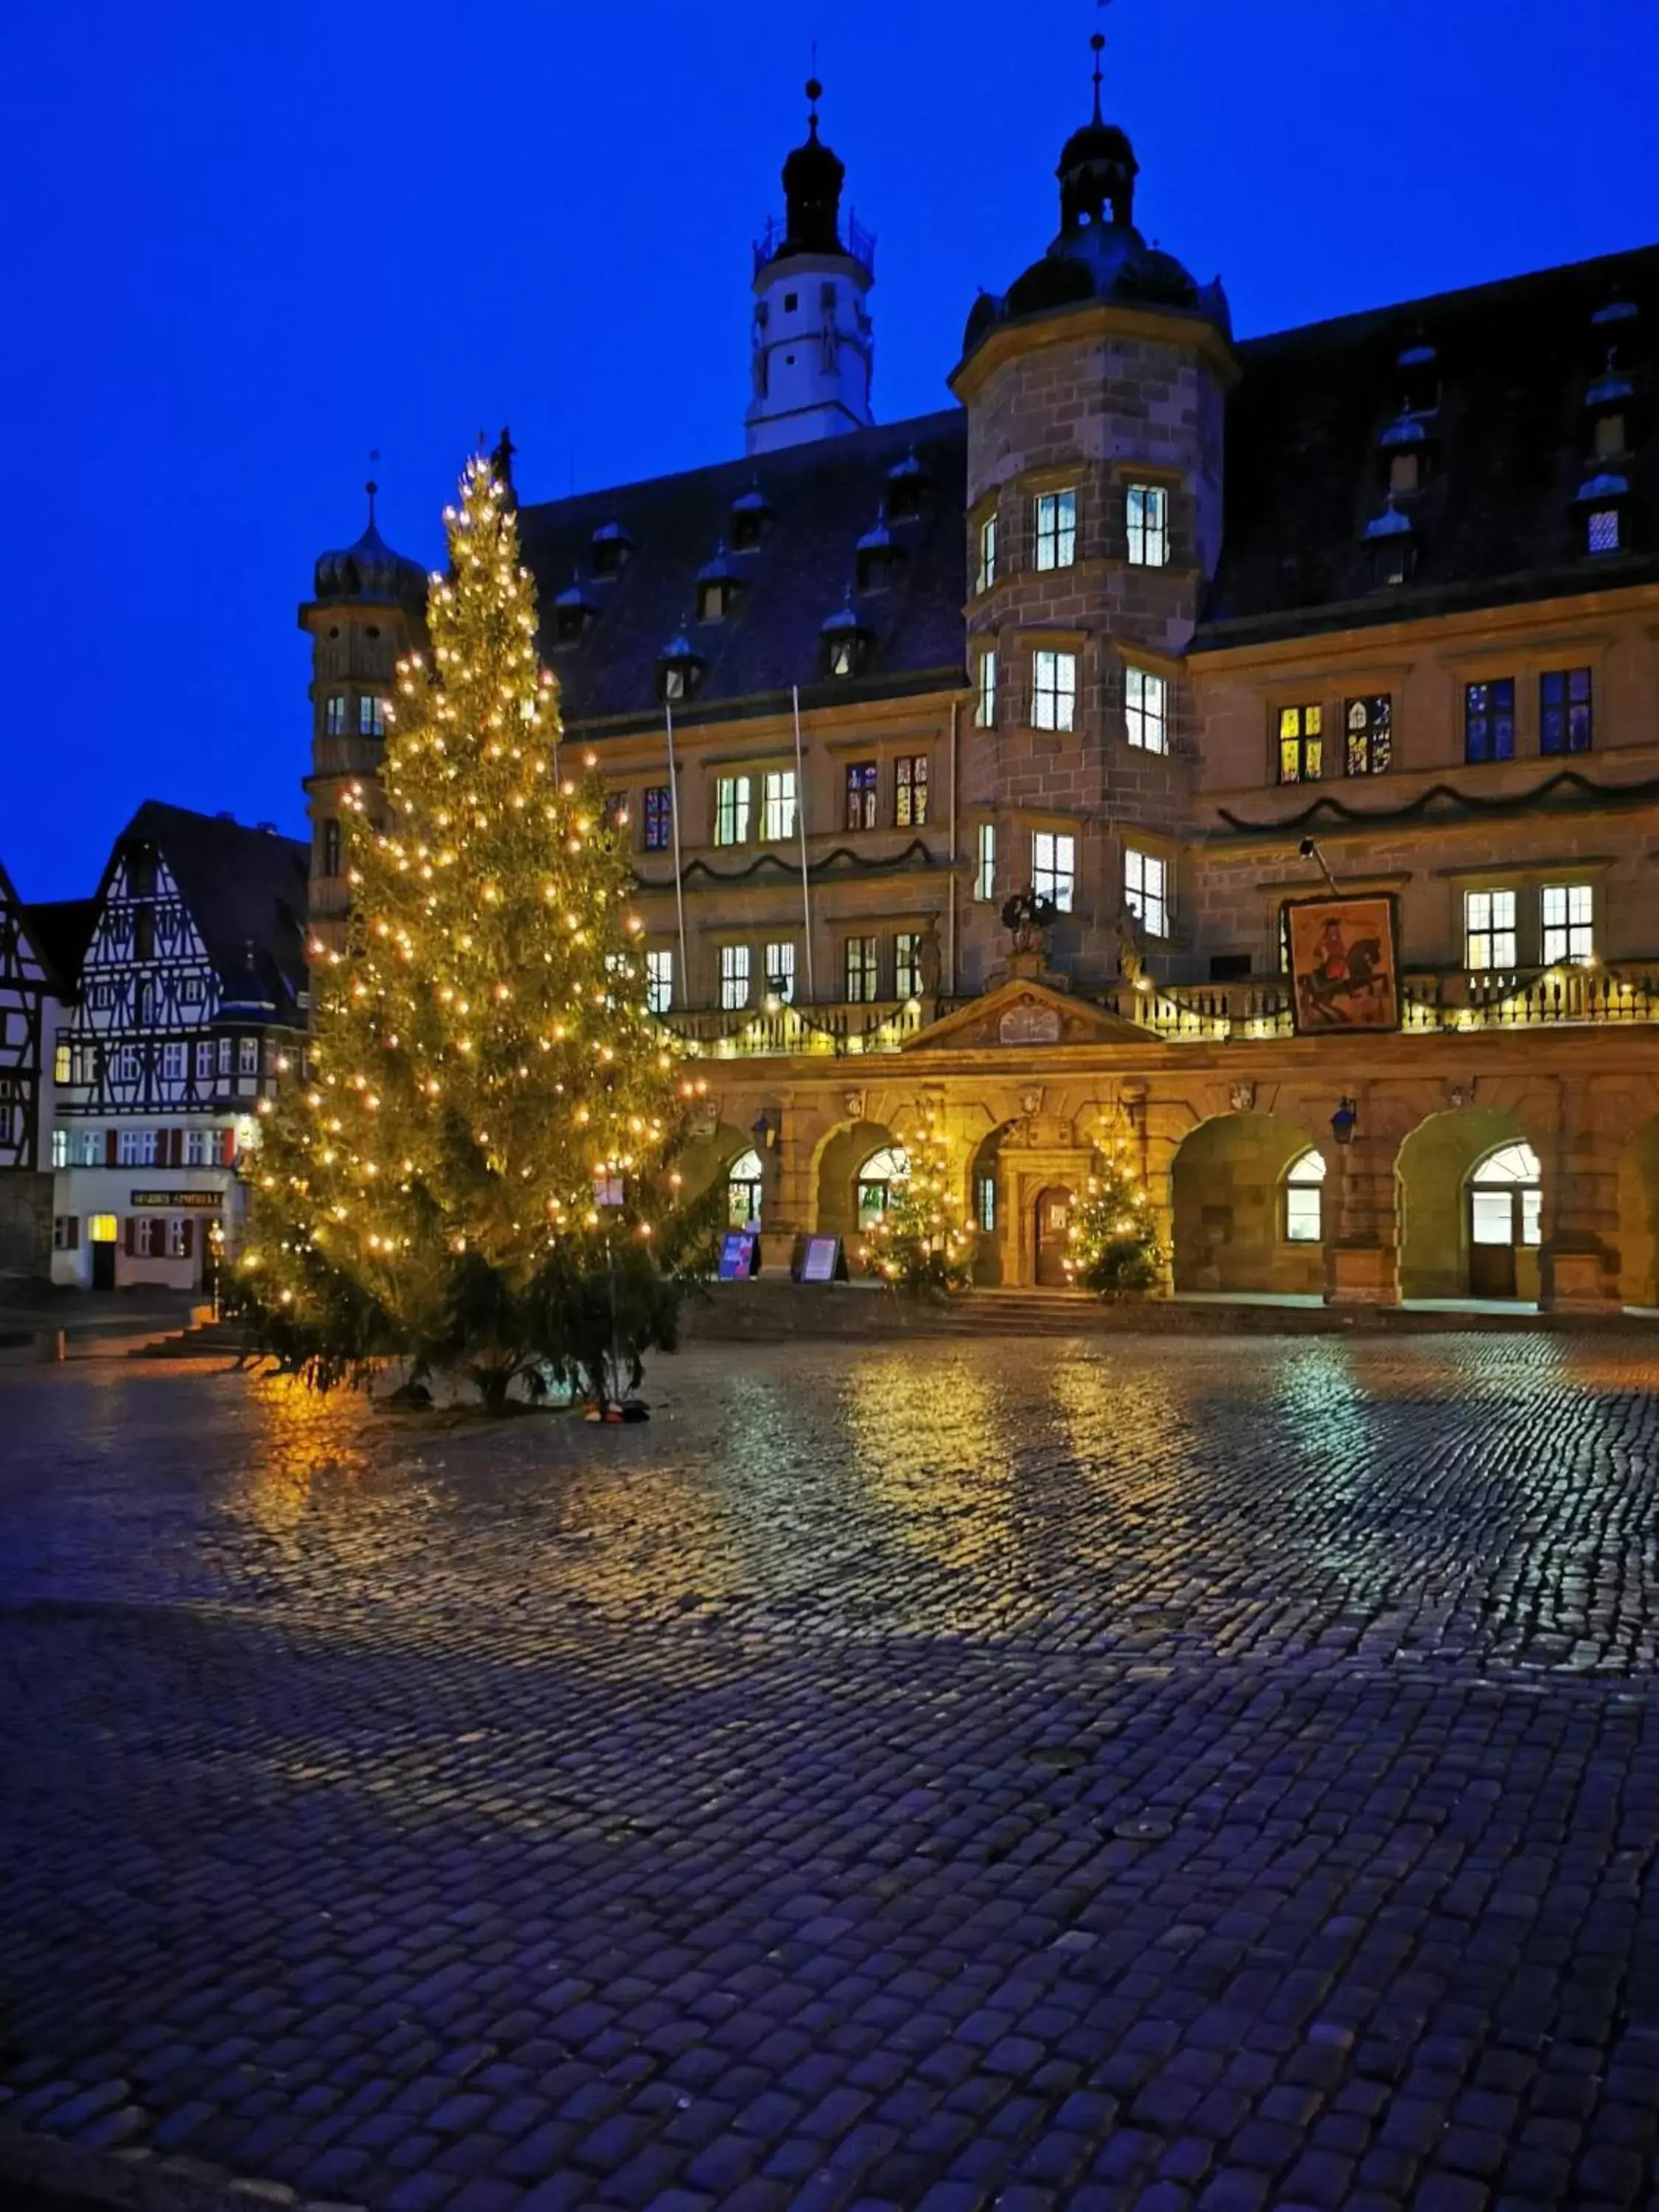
(1609, 440)
(718, 587)
(844, 643)
(1602, 502)
(751, 517)
(1608, 403)
(612, 546)
(572, 613)
(1418, 373)
(680, 671)
(879, 558)
(1404, 449)
(1391, 545)
(1602, 533)
(907, 480)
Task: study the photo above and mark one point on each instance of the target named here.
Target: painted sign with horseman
(1344, 964)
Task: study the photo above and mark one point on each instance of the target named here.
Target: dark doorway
(103, 1266)
(1053, 1220)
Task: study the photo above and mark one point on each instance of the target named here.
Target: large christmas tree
(1113, 1246)
(920, 1241)
(471, 1174)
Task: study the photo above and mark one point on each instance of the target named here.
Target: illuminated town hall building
(1177, 631)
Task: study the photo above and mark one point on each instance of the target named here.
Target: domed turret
(370, 570)
(812, 179)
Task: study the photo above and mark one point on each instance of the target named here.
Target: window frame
(778, 970)
(1489, 721)
(1299, 739)
(1054, 701)
(1140, 713)
(733, 800)
(986, 576)
(1053, 530)
(779, 803)
(1491, 925)
(1146, 525)
(1149, 905)
(861, 783)
(907, 963)
(334, 714)
(1561, 714)
(1607, 524)
(371, 714)
(658, 979)
(1573, 930)
(985, 861)
(656, 819)
(860, 962)
(1298, 1188)
(736, 982)
(985, 681)
(1053, 871)
(910, 791)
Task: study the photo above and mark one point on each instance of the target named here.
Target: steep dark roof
(243, 887)
(824, 496)
(1509, 448)
(60, 930)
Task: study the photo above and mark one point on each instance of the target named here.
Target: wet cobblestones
(1157, 1774)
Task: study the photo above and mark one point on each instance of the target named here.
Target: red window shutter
(228, 1148)
(129, 1235)
(186, 1238)
(109, 1148)
(177, 1148)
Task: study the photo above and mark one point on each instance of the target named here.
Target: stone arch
(841, 1156)
(1639, 1216)
(1227, 1193)
(706, 1159)
(1433, 1171)
(993, 1246)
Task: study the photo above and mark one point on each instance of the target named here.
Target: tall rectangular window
(1053, 691)
(1056, 529)
(60, 1148)
(731, 809)
(734, 975)
(330, 856)
(1489, 719)
(985, 703)
(907, 964)
(1567, 912)
(204, 1062)
(778, 804)
(334, 714)
(985, 860)
(371, 717)
(985, 1203)
(988, 555)
(780, 970)
(129, 1063)
(1145, 891)
(136, 1148)
(1143, 710)
(201, 1148)
(1054, 867)
(1369, 723)
(1301, 743)
(1566, 711)
(63, 1059)
(658, 818)
(175, 1057)
(910, 791)
(858, 968)
(658, 979)
(177, 1240)
(247, 1055)
(1148, 520)
(1489, 935)
(863, 785)
(92, 1154)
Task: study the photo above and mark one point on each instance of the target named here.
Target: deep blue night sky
(245, 244)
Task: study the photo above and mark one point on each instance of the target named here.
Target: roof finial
(1099, 43)
(371, 487)
(814, 94)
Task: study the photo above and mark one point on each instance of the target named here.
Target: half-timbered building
(26, 1007)
(189, 1008)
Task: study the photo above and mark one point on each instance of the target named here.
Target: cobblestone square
(1143, 1773)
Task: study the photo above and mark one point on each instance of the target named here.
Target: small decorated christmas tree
(476, 1155)
(921, 1242)
(1113, 1246)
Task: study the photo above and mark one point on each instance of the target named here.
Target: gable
(1023, 1015)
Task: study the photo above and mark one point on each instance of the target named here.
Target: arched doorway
(1241, 1224)
(1053, 1224)
(743, 1182)
(986, 1201)
(1435, 1177)
(1506, 1212)
(857, 1155)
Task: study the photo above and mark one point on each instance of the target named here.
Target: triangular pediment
(1025, 1016)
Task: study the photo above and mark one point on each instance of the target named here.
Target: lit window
(658, 981)
(1489, 934)
(861, 791)
(778, 803)
(859, 962)
(876, 1182)
(1506, 1197)
(743, 1182)
(1145, 891)
(60, 1148)
(842, 654)
(1301, 743)
(910, 791)
(659, 819)
(1566, 711)
(1568, 914)
(1304, 1196)
(1056, 529)
(1053, 691)
(1489, 719)
(1148, 515)
(985, 1203)
(731, 809)
(779, 971)
(734, 976)
(1143, 709)
(175, 1057)
(985, 707)
(988, 555)
(136, 1148)
(985, 861)
(147, 1237)
(100, 1229)
(93, 1152)
(1602, 530)
(907, 964)
(673, 680)
(247, 1055)
(1370, 724)
(371, 718)
(62, 1061)
(334, 714)
(1054, 867)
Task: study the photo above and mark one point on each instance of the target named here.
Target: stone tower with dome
(367, 607)
(1095, 390)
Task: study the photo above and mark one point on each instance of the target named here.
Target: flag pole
(674, 826)
(801, 824)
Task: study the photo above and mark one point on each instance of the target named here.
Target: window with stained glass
(863, 785)
(1369, 723)
(1489, 719)
(1301, 743)
(910, 791)
(1566, 711)
(658, 818)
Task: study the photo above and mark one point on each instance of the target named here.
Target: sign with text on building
(739, 1256)
(1345, 970)
(176, 1201)
(821, 1260)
